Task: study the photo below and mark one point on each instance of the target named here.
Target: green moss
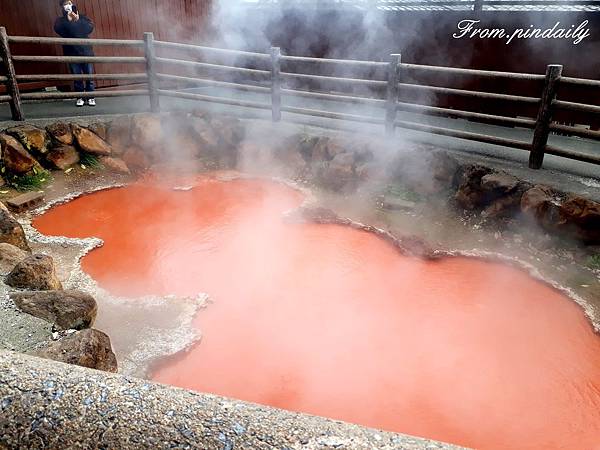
(402, 192)
(87, 160)
(35, 180)
(593, 262)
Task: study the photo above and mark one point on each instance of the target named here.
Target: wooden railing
(163, 75)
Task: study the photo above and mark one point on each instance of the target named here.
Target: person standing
(72, 24)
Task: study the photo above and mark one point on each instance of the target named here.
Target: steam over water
(333, 321)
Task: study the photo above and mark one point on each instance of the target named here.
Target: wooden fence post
(276, 83)
(12, 86)
(151, 71)
(478, 5)
(392, 93)
(542, 125)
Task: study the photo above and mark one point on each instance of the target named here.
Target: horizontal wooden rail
(579, 156)
(353, 62)
(332, 115)
(448, 112)
(5, 98)
(463, 134)
(74, 41)
(201, 65)
(214, 99)
(3, 79)
(580, 81)
(175, 45)
(82, 59)
(67, 95)
(334, 79)
(473, 72)
(334, 97)
(576, 106)
(95, 76)
(465, 93)
(575, 131)
(206, 82)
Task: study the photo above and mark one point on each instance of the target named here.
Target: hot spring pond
(333, 321)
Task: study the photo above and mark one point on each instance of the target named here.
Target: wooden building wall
(177, 20)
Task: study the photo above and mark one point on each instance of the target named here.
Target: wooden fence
(162, 75)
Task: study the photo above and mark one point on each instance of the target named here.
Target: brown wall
(177, 20)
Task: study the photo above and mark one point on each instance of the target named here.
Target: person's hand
(73, 16)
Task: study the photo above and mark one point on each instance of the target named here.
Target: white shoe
(80, 102)
(92, 102)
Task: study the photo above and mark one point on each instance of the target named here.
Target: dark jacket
(80, 30)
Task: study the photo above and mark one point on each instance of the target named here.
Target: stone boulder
(114, 164)
(88, 348)
(67, 310)
(90, 142)
(469, 194)
(63, 157)
(136, 159)
(425, 171)
(229, 129)
(61, 133)
(119, 134)
(338, 174)
(580, 217)
(11, 231)
(146, 132)
(99, 128)
(16, 159)
(326, 149)
(34, 139)
(36, 272)
(10, 256)
(542, 203)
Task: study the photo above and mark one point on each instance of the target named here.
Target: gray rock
(90, 142)
(67, 310)
(11, 231)
(36, 272)
(10, 256)
(88, 348)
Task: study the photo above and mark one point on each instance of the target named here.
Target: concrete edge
(50, 405)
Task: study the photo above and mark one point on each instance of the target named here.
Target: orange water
(333, 321)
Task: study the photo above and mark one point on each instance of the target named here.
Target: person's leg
(88, 69)
(76, 69)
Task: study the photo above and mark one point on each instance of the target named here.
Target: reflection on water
(333, 321)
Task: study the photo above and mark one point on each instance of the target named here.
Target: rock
(136, 159)
(207, 137)
(10, 256)
(114, 164)
(470, 194)
(146, 131)
(11, 231)
(425, 171)
(98, 128)
(230, 130)
(326, 149)
(88, 348)
(542, 204)
(14, 156)
(90, 142)
(61, 133)
(339, 174)
(63, 157)
(36, 272)
(580, 217)
(34, 139)
(67, 310)
(498, 183)
(119, 134)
